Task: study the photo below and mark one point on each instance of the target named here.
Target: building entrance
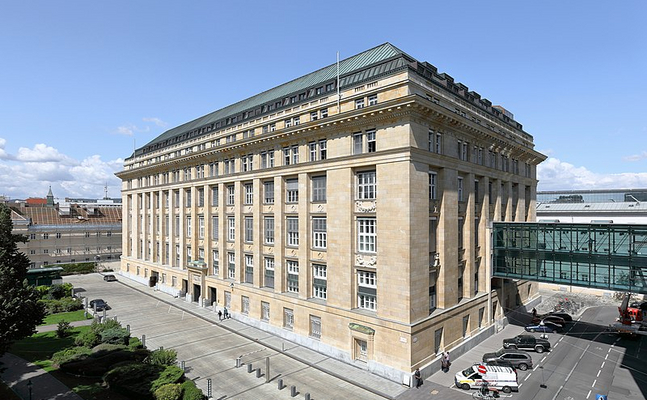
(196, 293)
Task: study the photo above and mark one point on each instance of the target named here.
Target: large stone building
(347, 210)
(67, 232)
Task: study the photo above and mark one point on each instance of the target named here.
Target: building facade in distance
(605, 206)
(67, 232)
(347, 211)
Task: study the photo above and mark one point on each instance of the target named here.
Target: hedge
(80, 268)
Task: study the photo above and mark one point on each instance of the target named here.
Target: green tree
(20, 311)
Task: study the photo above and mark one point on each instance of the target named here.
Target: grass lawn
(71, 316)
(40, 347)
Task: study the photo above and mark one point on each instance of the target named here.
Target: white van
(502, 378)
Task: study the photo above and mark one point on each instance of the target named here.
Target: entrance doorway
(361, 350)
(213, 295)
(185, 286)
(196, 293)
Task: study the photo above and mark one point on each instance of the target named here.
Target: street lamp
(29, 384)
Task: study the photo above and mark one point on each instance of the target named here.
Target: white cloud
(31, 172)
(636, 157)
(156, 121)
(130, 129)
(554, 174)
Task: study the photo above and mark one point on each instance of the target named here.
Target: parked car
(555, 319)
(500, 378)
(567, 317)
(509, 358)
(98, 304)
(527, 342)
(540, 328)
(109, 278)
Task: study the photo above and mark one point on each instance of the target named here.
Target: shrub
(100, 362)
(106, 348)
(70, 354)
(191, 392)
(134, 343)
(171, 374)
(163, 357)
(133, 380)
(58, 291)
(74, 269)
(88, 338)
(63, 329)
(170, 391)
(63, 305)
(98, 327)
(114, 336)
(42, 290)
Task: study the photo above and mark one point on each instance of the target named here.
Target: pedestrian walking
(445, 362)
(219, 315)
(417, 378)
(226, 313)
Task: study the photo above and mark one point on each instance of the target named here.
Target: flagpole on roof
(338, 92)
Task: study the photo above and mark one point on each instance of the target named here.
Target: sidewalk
(19, 372)
(50, 328)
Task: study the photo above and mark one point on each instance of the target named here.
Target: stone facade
(380, 203)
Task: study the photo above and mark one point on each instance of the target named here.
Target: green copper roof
(374, 57)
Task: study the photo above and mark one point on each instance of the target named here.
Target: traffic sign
(481, 369)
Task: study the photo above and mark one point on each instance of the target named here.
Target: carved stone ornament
(365, 206)
(368, 261)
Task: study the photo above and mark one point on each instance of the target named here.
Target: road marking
(587, 396)
(560, 389)
(556, 344)
(561, 338)
(598, 375)
(520, 385)
(526, 378)
(607, 356)
(594, 382)
(602, 364)
(542, 360)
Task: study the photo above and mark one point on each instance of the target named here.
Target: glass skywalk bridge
(602, 256)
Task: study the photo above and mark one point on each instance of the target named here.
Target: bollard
(128, 328)
(258, 372)
(267, 369)
(183, 366)
(104, 315)
(144, 341)
(280, 384)
(115, 318)
(249, 367)
(307, 396)
(239, 362)
(293, 391)
(209, 388)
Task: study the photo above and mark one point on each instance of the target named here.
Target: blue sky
(82, 83)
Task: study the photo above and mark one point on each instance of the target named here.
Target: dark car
(509, 358)
(527, 342)
(98, 304)
(567, 317)
(546, 328)
(109, 278)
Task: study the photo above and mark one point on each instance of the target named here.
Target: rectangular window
(200, 197)
(319, 234)
(366, 290)
(461, 223)
(249, 268)
(359, 103)
(249, 193)
(268, 278)
(245, 305)
(372, 100)
(201, 227)
(432, 292)
(366, 235)
(268, 228)
(231, 265)
(215, 228)
(231, 198)
(265, 311)
(460, 189)
(288, 318)
(214, 196)
(319, 283)
(319, 189)
(249, 229)
(292, 190)
(215, 262)
(188, 226)
(370, 141)
(293, 276)
(293, 231)
(188, 198)
(268, 192)
(323, 149)
(366, 185)
(313, 151)
(314, 115)
(315, 327)
(288, 122)
(286, 156)
(358, 143)
(231, 229)
(323, 113)
(433, 177)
